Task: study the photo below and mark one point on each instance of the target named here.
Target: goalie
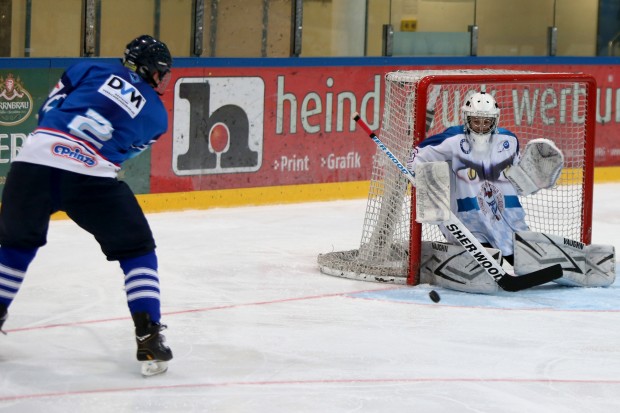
(487, 176)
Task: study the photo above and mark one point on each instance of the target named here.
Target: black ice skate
(152, 351)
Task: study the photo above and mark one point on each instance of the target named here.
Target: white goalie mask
(481, 117)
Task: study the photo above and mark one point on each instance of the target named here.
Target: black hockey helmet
(151, 59)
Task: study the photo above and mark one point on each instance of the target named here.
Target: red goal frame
(419, 133)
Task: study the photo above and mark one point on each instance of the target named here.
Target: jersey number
(93, 128)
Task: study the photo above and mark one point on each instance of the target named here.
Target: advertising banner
(259, 126)
(252, 127)
(239, 128)
(22, 91)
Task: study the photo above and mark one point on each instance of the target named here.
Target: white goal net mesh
(556, 106)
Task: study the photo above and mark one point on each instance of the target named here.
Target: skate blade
(153, 368)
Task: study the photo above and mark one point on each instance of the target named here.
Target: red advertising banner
(253, 127)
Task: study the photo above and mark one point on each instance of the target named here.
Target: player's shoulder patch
(510, 139)
(122, 92)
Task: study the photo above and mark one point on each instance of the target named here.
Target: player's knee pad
(450, 266)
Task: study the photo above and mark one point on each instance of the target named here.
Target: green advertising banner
(22, 91)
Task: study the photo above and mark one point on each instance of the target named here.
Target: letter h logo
(218, 125)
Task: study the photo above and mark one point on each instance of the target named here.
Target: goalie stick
(471, 244)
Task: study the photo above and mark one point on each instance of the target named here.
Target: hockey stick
(471, 244)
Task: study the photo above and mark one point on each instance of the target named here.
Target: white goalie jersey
(481, 195)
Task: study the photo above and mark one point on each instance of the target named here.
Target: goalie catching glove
(539, 168)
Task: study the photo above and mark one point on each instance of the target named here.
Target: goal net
(556, 106)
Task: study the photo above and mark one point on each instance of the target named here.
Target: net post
(419, 133)
(590, 128)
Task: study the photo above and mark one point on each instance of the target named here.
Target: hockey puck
(434, 296)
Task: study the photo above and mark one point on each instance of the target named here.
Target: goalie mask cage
(556, 106)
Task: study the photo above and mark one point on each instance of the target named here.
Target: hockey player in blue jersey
(488, 175)
(97, 116)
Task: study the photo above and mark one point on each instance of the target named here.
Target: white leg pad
(583, 265)
(450, 266)
(601, 265)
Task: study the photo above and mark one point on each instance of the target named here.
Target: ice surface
(255, 327)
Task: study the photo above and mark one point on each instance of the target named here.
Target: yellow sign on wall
(408, 25)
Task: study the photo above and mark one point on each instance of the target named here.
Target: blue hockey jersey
(97, 116)
(481, 196)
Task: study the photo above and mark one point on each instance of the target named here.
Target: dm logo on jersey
(491, 200)
(124, 94)
(218, 125)
(74, 153)
(15, 101)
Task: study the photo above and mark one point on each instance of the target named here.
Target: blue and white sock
(142, 285)
(13, 265)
